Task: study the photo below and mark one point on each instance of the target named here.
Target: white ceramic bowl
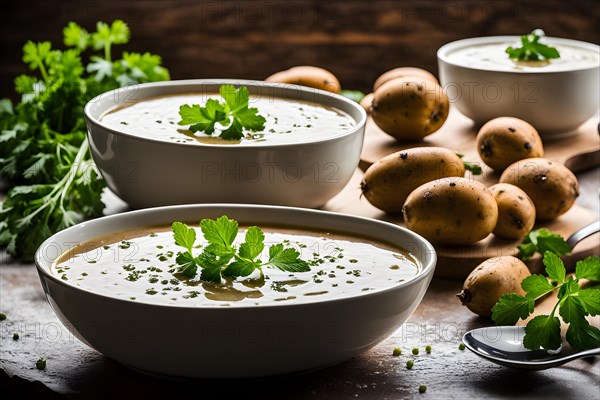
(554, 101)
(145, 172)
(234, 342)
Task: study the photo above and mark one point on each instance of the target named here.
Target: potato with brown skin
(490, 280)
(366, 102)
(307, 75)
(403, 72)
(516, 212)
(388, 182)
(506, 140)
(409, 108)
(451, 211)
(551, 186)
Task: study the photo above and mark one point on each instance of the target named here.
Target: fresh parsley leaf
(510, 308)
(211, 273)
(105, 36)
(221, 231)
(241, 267)
(234, 99)
(582, 336)
(590, 300)
(554, 267)
(532, 50)
(542, 331)
(470, 166)
(536, 286)
(542, 240)
(571, 309)
(184, 235)
(253, 244)
(233, 115)
(588, 268)
(187, 264)
(75, 36)
(354, 95)
(286, 259)
(221, 258)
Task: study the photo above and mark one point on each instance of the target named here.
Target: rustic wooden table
(76, 371)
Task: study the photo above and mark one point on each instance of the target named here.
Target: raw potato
(403, 72)
(409, 108)
(505, 140)
(551, 186)
(388, 182)
(308, 76)
(366, 102)
(516, 212)
(490, 280)
(451, 211)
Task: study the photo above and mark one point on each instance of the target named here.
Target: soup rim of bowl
(43, 266)
(358, 123)
(445, 50)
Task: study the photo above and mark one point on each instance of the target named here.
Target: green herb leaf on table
(532, 50)
(541, 241)
(233, 114)
(221, 257)
(44, 150)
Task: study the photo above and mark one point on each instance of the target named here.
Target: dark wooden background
(356, 40)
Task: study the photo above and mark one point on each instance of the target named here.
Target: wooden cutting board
(579, 151)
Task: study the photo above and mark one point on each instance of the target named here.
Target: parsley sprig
(221, 258)
(573, 305)
(232, 114)
(541, 241)
(532, 50)
(43, 146)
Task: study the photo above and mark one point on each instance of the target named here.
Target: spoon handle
(582, 233)
(581, 354)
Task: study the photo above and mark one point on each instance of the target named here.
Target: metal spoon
(504, 344)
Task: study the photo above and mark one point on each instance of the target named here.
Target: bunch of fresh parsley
(574, 304)
(43, 145)
(220, 258)
(532, 50)
(233, 114)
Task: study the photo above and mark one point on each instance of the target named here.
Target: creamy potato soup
(140, 266)
(494, 57)
(287, 121)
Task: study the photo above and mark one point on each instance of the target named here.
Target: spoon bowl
(503, 345)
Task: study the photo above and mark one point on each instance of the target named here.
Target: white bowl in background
(235, 341)
(555, 100)
(147, 172)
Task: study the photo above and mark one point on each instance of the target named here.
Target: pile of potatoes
(427, 185)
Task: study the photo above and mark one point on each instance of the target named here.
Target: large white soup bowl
(145, 171)
(236, 341)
